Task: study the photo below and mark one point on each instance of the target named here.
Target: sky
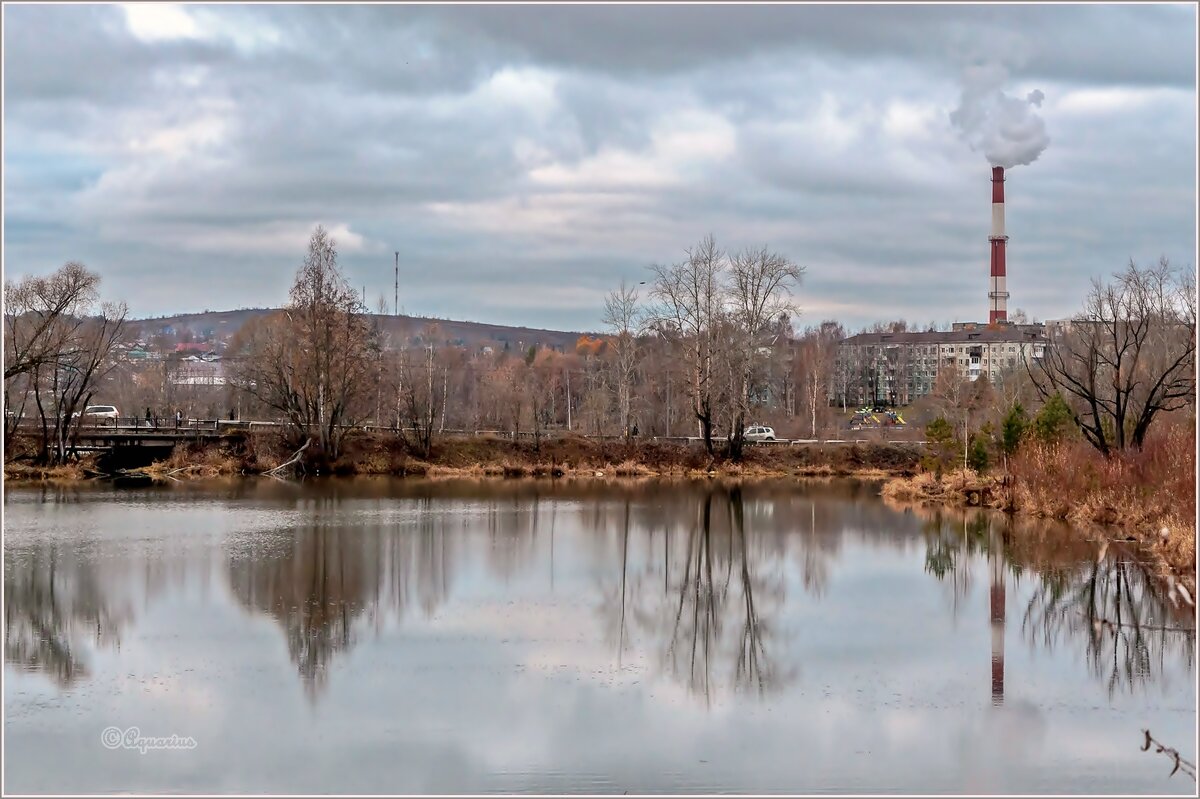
(525, 160)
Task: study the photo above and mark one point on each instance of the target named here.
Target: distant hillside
(223, 324)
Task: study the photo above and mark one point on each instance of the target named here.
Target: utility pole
(445, 385)
(396, 298)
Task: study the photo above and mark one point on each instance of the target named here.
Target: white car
(98, 414)
(760, 433)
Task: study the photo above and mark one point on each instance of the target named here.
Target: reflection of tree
(315, 587)
(513, 525)
(818, 549)
(754, 668)
(53, 603)
(697, 618)
(707, 601)
(1119, 613)
(1105, 600)
(324, 575)
(953, 542)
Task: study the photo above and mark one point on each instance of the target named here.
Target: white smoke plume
(1008, 130)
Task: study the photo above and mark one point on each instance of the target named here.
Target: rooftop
(1008, 334)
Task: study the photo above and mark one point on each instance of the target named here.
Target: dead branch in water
(1180, 764)
(1100, 621)
(295, 457)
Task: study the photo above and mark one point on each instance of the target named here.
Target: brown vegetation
(1149, 494)
(961, 487)
(494, 456)
(73, 470)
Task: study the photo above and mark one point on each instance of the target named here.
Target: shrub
(1143, 491)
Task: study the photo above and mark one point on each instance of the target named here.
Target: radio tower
(396, 298)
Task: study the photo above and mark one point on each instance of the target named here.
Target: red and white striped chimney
(998, 295)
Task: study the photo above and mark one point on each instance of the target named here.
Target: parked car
(99, 414)
(760, 433)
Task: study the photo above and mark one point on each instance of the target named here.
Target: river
(427, 636)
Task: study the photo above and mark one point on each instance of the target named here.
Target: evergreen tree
(978, 458)
(1013, 428)
(1053, 420)
(940, 436)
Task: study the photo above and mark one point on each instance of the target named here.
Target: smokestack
(996, 566)
(998, 295)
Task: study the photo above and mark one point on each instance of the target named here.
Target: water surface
(456, 636)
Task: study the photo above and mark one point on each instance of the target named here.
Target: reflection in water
(1083, 592)
(318, 579)
(54, 603)
(691, 578)
(705, 608)
(535, 635)
(996, 615)
(1120, 613)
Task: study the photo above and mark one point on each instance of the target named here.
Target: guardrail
(225, 426)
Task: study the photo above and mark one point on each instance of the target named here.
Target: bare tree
(690, 311)
(816, 367)
(422, 390)
(621, 317)
(759, 297)
(42, 313)
(962, 402)
(314, 361)
(63, 385)
(1126, 357)
(58, 345)
(42, 318)
(542, 384)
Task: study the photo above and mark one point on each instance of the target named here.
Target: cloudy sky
(524, 160)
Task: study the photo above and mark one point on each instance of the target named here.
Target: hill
(222, 325)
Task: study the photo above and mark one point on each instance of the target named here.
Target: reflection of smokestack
(996, 566)
(998, 295)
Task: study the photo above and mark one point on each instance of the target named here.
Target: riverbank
(1140, 499)
(485, 456)
(567, 456)
(1146, 497)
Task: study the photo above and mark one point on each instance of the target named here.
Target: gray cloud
(525, 159)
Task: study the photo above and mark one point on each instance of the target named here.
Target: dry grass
(375, 454)
(195, 462)
(961, 487)
(631, 468)
(572, 455)
(79, 470)
(1142, 492)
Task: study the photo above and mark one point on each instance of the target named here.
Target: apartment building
(900, 368)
